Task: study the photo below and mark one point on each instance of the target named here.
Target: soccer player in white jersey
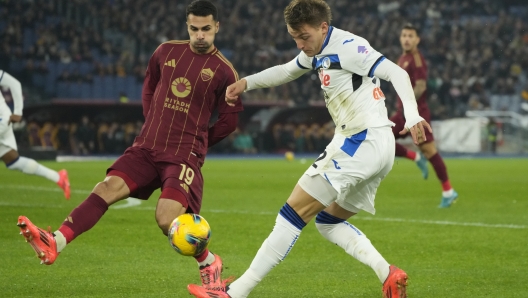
(344, 179)
(8, 146)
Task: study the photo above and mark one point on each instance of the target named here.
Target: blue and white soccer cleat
(422, 165)
(448, 201)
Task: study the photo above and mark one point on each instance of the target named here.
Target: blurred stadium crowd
(477, 50)
(87, 137)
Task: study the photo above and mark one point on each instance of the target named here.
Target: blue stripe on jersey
(326, 177)
(327, 39)
(373, 68)
(2, 76)
(327, 218)
(351, 144)
(300, 66)
(290, 215)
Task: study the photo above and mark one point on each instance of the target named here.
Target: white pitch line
(133, 203)
(130, 202)
(42, 188)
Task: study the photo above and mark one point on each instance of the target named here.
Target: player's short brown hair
(410, 26)
(310, 12)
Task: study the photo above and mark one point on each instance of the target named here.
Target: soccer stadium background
(82, 62)
(88, 58)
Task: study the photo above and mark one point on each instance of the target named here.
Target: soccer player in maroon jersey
(184, 83)
(414, 63)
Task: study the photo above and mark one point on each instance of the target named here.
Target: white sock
(356, 244)
(447, 193)
(418, 157)
(208, 260)
(60, 240)
(31, 167)
(274, 249)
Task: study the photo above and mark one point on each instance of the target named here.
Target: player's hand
(14, 119)
(418, 131)
(234, 90)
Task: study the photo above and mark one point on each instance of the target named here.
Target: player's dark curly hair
(202, 8)
(310, 12)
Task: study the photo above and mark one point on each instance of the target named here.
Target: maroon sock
(84, 217)
(439, 167)
(401, 151)
(201, 257)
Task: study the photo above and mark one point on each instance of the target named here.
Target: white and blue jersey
(361, 152)
(346, 67)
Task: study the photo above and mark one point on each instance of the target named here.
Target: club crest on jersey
(206, 74)
(325, 64)
(181, 87)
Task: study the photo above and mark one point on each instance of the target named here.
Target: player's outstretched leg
(417, 157)
(80, 220)
(356, 244)
(275, 248)
(42, 242)
(32, 167)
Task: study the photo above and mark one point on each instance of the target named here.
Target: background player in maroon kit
(184, 83)
(413, 62)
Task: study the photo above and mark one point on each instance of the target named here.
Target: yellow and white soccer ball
(189, 234)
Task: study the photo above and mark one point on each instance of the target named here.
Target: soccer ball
(189, 234)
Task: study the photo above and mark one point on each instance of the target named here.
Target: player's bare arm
(15, 119)
(419, 88)
(234, 90)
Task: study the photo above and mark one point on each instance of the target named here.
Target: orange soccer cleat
(211, 275)
(64, 183)
(201, 292)
(42, 242)
(395, 286)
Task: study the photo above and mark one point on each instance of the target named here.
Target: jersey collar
(327, 39)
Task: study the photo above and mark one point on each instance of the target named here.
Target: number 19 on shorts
(187, 174)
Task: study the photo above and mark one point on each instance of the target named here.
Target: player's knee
(24, 164)
(326, 223)
(164, 223)
(108, 192)
(429, 151)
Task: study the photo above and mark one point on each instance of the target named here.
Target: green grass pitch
(476, 248)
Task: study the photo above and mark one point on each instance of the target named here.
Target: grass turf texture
(126, 255)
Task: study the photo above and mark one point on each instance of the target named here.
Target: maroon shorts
(399, 120)
(145, 170)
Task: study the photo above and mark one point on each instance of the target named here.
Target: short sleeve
(303, 61)
(359, 57)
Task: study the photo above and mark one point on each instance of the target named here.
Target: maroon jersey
(414, 65)
(180, 92)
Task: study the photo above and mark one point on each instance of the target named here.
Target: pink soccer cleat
(64, 183)
(42, 242)
(395, 286)
(201, 292)
(211, 274)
